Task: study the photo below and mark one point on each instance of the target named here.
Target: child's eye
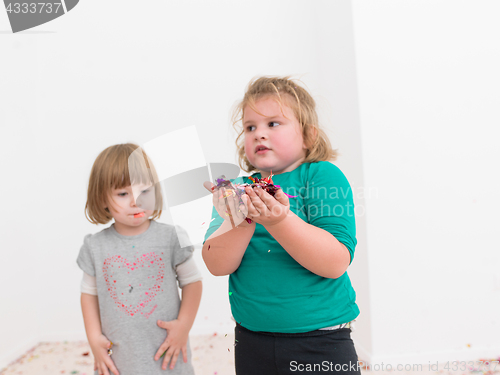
(272, 124)
(143, 192)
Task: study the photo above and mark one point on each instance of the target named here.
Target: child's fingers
(228, 208)
(228, 203)
(103, 370)
(111, 365)
(174, 358)
(266, 198)
(219, 201)
(166, 360)
(258, 203)
(163, 348)
(251, 209)
(184, 354)
(164, 324)
(282, 197)
(243, 206)
(276, 206)
(208, 185)
(237, 210)
(215, 200)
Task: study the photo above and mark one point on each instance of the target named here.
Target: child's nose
(134, 197)
(260, 133)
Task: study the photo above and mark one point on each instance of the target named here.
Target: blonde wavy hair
(285, 91)
(117, 167)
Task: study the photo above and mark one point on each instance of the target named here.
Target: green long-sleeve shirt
(270, 291)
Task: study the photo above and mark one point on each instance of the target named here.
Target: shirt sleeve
(216, 222)
(180, 254)
(188, 273)
(329, 203)
(88, 285)
(85, 258)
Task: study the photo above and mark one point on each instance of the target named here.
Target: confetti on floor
(54, 358)
(211, 355)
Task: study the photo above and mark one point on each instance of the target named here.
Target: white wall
(112, 72)
(338, 104)
(428, 83)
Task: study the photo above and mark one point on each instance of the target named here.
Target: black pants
(316, 352)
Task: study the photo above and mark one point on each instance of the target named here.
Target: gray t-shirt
(136, 287)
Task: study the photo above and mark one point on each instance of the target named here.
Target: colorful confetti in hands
(266, 184)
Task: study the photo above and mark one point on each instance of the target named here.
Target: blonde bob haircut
(117, 167)
(285, 91)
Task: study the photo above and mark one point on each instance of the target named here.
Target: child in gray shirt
(130, 298)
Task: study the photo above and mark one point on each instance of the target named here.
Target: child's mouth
(141, 214)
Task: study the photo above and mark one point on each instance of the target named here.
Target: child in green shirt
(288, 287)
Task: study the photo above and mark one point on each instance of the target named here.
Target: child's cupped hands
(265, 209)
(228, 205)
(102, 361)
(174, 344)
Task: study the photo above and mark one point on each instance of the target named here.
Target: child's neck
(265, 174)
(290, 168)
(127, 230)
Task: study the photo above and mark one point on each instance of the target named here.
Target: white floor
(212, 355)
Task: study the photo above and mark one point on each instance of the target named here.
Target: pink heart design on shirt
(143, 261)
